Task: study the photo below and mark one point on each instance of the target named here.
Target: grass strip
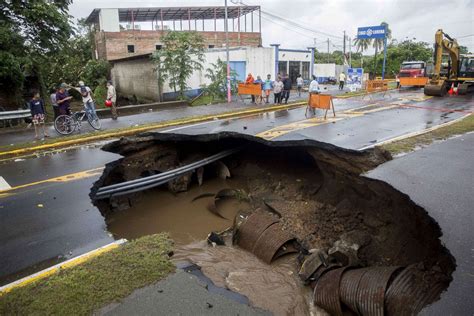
(82, 289)
(409, 144)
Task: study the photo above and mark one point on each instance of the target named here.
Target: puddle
(316, 189)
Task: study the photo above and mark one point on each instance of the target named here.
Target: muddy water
(184, 219)
(274, 287)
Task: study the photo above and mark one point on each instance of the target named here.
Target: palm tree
(378, 43)
(361, 45)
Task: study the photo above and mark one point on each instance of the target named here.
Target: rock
(214, 238)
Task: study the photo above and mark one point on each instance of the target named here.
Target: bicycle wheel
(64, 124)
(93, 120)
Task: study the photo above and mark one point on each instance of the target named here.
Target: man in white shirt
(112, 96)
(342, 80)
(86, 94)
(314, 86)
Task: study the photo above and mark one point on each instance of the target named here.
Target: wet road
(441, 181)
(67, 224)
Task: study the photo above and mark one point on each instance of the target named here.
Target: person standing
(250, 80)
(267, 87)
(86, 94)
(37, 109)
(277, 88)
(286, 88)
(299, 84)
(112, 96)
(314, 86)
(342, 80)
(63, 100)
(259, 81)
(52, 98)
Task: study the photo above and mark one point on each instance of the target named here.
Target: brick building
(127, 32)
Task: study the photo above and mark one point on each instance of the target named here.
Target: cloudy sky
(407, 18)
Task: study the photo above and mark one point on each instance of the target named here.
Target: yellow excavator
(460, 68)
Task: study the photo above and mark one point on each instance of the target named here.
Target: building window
(305, 70)
(158, 47)
(131, 48)
(282, 67)
(211, 46)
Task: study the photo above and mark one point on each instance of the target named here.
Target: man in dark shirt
(286, 88)
(62, 99)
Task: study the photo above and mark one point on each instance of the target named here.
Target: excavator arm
(443, 43)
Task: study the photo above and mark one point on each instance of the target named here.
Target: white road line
(186, 126)
(4, 184)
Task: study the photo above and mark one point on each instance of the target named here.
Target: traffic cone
(451, 91)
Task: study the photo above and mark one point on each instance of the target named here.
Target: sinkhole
(317, 192)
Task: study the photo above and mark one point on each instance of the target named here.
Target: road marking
(60, 179)
(63, 265)
(4, 184)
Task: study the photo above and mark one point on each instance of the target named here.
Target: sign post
(375, 32)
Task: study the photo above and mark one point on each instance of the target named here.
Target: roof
(175, 13)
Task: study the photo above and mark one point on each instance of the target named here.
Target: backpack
(84, 91)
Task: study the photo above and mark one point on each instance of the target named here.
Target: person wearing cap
(63, 100)
(86, 94)
(112, 96)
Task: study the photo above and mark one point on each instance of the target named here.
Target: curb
(115, 134)
(58, 267)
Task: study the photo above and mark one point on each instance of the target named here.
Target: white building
(134, 76)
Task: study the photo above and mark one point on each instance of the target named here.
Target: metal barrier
(158, 179)
(11, 115)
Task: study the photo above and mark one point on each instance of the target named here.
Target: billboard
(354, 78)
(371, 32)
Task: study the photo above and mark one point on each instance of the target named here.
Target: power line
(465, 36)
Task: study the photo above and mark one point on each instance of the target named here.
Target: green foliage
(217, 74)
(95, 72)
(463, 49)
(182, 54)
(100, 93)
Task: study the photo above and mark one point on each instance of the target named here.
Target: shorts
(267, 92)
(38, 119)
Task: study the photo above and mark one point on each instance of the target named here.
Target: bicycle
(66, 124)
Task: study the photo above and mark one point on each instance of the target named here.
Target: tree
(362, 44)
(217, 74)
(182, 54)
(28, 30)
(378, 43)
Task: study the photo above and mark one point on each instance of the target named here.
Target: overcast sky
(407, 18)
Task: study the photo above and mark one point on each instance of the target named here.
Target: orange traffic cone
(451, 91)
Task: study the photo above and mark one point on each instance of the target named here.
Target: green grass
(409, 144)
(205, 100)
(85, 288)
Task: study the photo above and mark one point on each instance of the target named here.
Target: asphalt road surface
(440, 178)
(40, 222)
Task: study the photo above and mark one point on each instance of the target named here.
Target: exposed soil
(317, 189)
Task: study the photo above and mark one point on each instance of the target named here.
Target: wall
(136, 77)
(325, 70)
(109, 20)
(113, 45)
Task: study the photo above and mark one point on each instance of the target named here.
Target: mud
(316, 188)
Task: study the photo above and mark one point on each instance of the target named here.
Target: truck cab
(413, 73)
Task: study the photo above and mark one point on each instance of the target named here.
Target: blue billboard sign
(371, 32)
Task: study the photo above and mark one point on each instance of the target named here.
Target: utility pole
(328, 50)
(344, 49)
(350, 52)
(229, 97)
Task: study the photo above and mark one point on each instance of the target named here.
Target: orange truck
(413, 73)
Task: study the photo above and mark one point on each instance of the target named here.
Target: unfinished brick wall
(113, 45)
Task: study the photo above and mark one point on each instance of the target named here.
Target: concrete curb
(119, 133)
(58, 267)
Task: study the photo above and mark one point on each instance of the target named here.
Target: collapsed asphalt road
(315, 188)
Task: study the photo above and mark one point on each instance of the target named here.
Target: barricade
(254, 89)
(320, 101)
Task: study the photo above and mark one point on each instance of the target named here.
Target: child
(37, 112)
(267, 87)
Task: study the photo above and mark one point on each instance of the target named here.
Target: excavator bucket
(435, 89)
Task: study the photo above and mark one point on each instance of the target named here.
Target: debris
(212, 207)
(270, 205)
(315, 260)
(214, 238)
(222, 171)
(209, 305)
(200, 173)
